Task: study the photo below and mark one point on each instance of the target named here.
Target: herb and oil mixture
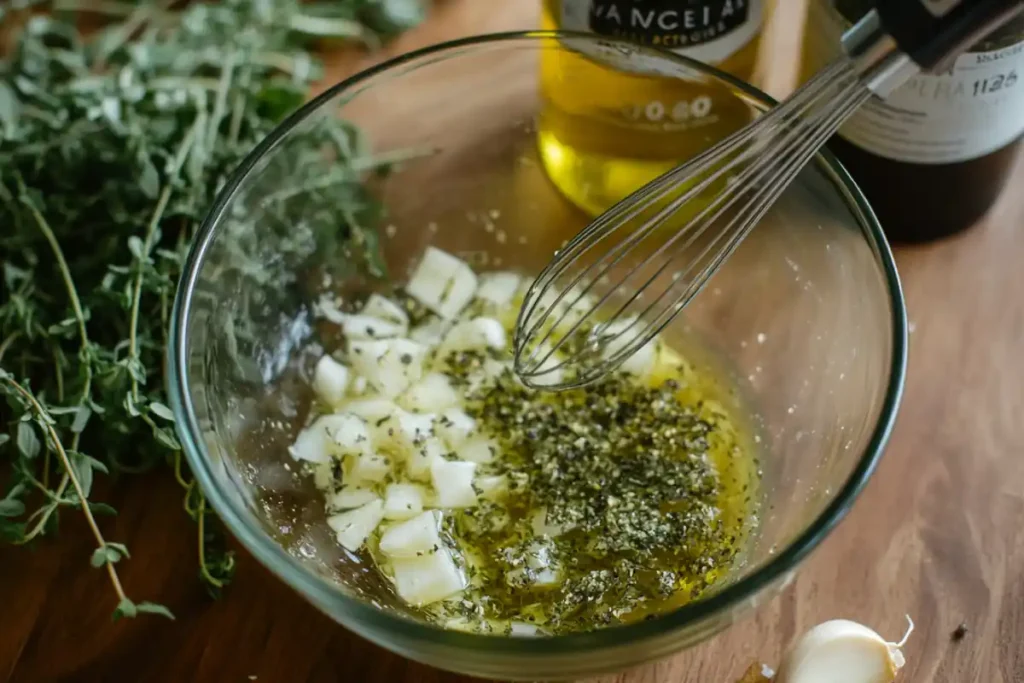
(638, 492)
(493, 507)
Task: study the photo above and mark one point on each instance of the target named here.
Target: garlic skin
(842, 651)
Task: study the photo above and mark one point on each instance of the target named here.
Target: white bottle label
(706, 30)
(974, 108)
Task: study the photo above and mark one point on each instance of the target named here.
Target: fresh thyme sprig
(112, 146)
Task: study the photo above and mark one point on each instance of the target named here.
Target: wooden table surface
(937, 534)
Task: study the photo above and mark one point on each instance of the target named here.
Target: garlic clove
(842, 651)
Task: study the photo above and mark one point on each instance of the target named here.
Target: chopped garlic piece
(480, 450)
(330, 381)
(323, 475)
(538, 555)
(492, 487)
(550, 371)
(498, 289)
(349, 434)
(442, 283)
(403, 501)
(625, 332)
(349, 497)
(453, 483)
(455, 427)
(522, 629)
(329, 308)
(366, 327)
(330, 435)
(423, 456)
(389, 365)
(489, 372)
(403, 432)
(478, 334)
(539, 569)
(354, 526)
(567, 312)
(383, 308)
(312, 444)
(367, 467)
(358, 386)
(414, 537)
(372, 409)
(541, 526)
(427, 579)
(431, 332)
(431, 394)
(516, 629)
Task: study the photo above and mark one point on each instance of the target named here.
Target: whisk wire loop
(734, 235)
(753, 166)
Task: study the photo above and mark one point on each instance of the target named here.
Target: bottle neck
(881, 64)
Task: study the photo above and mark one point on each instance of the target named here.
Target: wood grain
(935, 535)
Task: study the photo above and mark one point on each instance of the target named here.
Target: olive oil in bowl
(488, 506)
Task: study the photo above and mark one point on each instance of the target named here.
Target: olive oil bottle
(932, 157)
(605, 131)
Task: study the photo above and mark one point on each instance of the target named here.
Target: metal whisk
(616, 285)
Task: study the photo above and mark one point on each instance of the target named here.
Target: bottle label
(706, 30)
(973, 108)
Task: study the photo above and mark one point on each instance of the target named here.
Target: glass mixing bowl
(808, 314)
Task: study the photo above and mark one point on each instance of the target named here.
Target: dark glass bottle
(933, 157)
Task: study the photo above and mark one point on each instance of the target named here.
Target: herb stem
(329, 28)
(46, 469)
(147, 246)
(109, 7)
(177, 472)
(62, 264)
(122, 34)
(47, 493)
(220, 102)
(395, 156)
(358, 165)
(200, 524)
(46, 512)
(6, 343)
(58, 374)
(72, 290)
(44, 420)
(238, 107)
(133, 325)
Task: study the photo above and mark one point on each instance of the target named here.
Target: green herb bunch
(112, 147)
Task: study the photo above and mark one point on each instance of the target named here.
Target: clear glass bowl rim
(321, 592)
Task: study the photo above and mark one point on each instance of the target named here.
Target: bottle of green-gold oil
(605, 131)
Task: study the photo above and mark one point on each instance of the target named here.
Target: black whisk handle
(931, 32)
